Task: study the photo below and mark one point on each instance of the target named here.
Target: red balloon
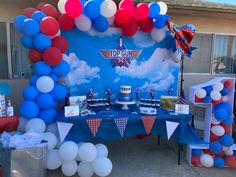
(221, 154)
(195, 161)
(121, 16)
(40, 5)
(198, 100)
(213, 137)
(29, 11)
(228, 128)
(230, 161)
(60, 43)
(52, 56)
(35, 55)
(228, 84)
(216, 102)
(117, 24)
(127, 5)
(66, 22)
(73, 8)
(141, 11)
(207, 151)
(130, 28)
(49, 26)
(146, 25)
(50, 10)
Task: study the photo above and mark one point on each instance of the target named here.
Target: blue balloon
(38, 16)
(207, 99)
(48, 115)
(208, 89)
(226, 140)
(160, 21)
(29, 110)
(229, 120)
(19, 21)
(45, 100)
(216, 147)
(219, 162)
(54, 77)
(225, 91)
(33, 80)
(42, 69)
(92, 9)
(154, 9)
(99, 2)
(42, 42)
(101, 24)
(27, 41)
(59, 92)
(30, 93)
(83, 1)
(54, 105)
(225, 106)
(31, 27)
(61, 69)
(196, 152)
(221, 114)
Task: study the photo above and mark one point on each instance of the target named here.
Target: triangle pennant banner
(63, 129)
(94, 125)
(170, 128)
(148, 122)
(121, 124)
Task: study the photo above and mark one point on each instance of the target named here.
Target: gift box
(2, 106)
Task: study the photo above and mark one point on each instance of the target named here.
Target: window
(3, 51)
(200, 61)
(21, 67)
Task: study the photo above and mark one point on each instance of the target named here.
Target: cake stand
(125, 104)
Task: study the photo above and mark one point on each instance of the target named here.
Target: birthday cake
(125, 93)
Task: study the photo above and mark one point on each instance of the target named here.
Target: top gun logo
(121, 56)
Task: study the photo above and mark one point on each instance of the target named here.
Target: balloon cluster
(219, 153)
(41, 35)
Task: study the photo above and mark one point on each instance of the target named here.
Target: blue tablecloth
(108, 130)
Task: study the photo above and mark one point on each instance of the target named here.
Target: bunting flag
(63, 129)
(170, 128)
(94, 125)
(148, 122)
(121, 124)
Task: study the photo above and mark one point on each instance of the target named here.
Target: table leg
(179, 152)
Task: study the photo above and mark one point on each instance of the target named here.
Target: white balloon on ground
(218, 130)
(215, 121)
(35, 125)
(83, 23)
(77, 157)
(53, 129)
(229, 152)
(102, 166)
(102, 150)
(163, 8)
(22, 124)
(61, 6)
(69, 168)
(68, 151)
(158, 34)
(51, 140)
(53, 160)
(85, 169)
(45, 84)
(206, 160)
(108, 8)
(87, 152)
(201, 93)
(215, 95)
(218, 86)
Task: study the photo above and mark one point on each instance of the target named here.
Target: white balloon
(53, 160)
(69, 168)
(85, 169)
(83, 23)
(158, 34)
(61, 6)
(108, 8)
(215, 95)
(77, 157)
(22, 124)
(45, 84)
(163, 8)
(51, 140)
(87, 152)
(201, 93)
(53, 129)
(218, 130)
(225, 98)
(215, 121)
(102, 166)
(229, 152)
(111, 20)
(102, 150)
(206, 160)
(68, 151)
(219, 86)
(35, 125)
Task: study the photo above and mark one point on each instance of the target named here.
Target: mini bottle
(10, 110)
